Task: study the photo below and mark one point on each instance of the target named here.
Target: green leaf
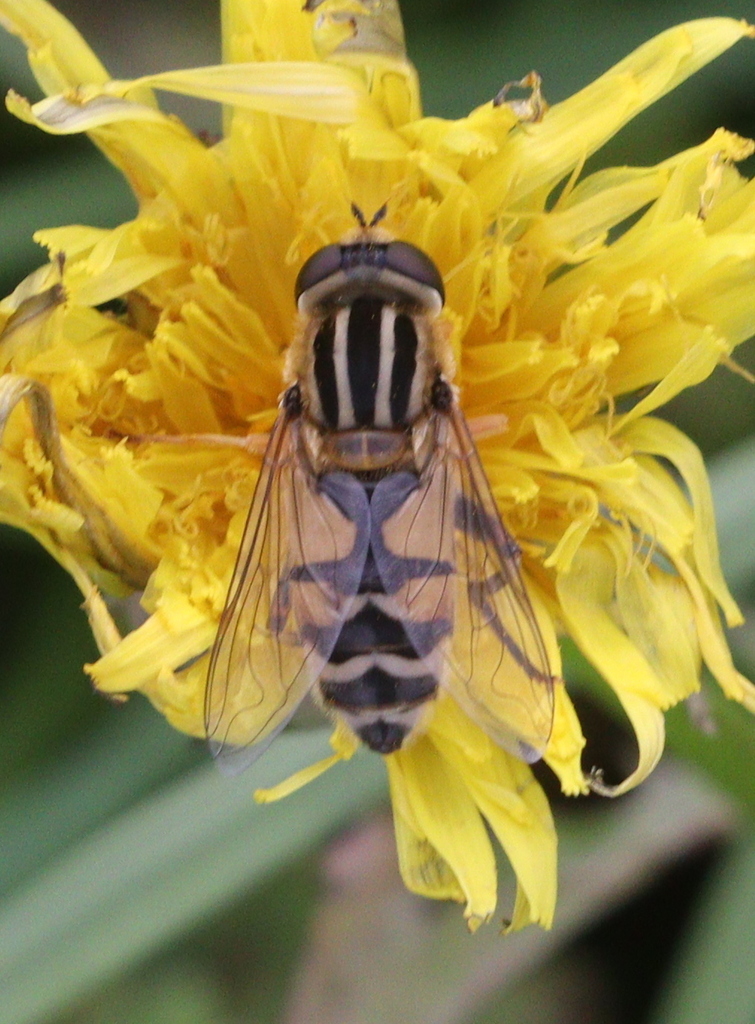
(75, 186)
(732, 477)
(161, 866)
(63, 799)
(726, 754)
(714, 979)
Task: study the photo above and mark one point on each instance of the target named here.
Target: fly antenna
(380, 215)
(362, 220)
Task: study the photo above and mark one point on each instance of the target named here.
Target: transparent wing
(499, 670)
(453, 572)
(298, 569)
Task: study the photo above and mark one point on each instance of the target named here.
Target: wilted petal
(109, 547)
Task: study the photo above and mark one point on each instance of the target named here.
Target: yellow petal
(713, 644)
(423, 871)
(434, 799)
(111, 475)
(660, 438)
(655, 609)
(649, 728)
(553, 434)
(295, 781)
(60, 57)
(118, 279)
(586, 596)
(33, 312)
(319, 92)
(174, 634)
(564, 753)
(73, 239)
(571, 130)
(50, 532)
(685, 362)
(344, 745)
(155, 153)
(325, 93)
(256, 31)
(108, 545)
(71, 113)
(510, 800)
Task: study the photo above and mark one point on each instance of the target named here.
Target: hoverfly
(374, 567)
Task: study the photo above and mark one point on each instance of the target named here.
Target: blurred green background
(138, 885)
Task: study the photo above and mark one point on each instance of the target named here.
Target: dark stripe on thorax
(404, 367)
(363, 355)
(325, 371)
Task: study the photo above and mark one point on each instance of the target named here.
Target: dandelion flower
(576, 306)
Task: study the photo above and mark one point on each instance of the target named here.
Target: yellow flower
(132, 442)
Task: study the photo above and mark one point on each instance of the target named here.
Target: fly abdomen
(370, 630)
(375, 679)
(376, 689)
(381, 704)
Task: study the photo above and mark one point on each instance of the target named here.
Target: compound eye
(411, 262)
(318, 268)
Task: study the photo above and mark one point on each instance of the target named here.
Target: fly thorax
(369, 365)
(367, 451)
